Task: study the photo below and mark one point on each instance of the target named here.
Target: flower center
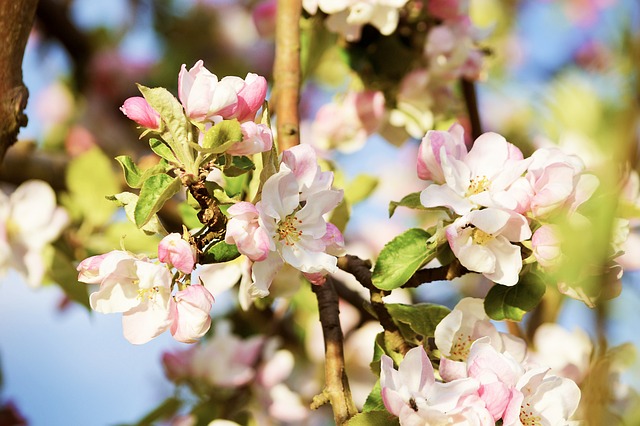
(527, 418)
(460, 347)
(477, 185)
(12, 230)
(148, 293)
(288, 231)
(480, 237)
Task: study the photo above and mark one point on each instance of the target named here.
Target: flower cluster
(496, 198)
(486, 378)
(287, 225)
(143, 290)
(255, 364)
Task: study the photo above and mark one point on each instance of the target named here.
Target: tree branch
(287, 73)
(336, 390)
(16, 20)
(471, 102)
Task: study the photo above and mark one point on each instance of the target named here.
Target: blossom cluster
(208, 100)
(228, 362)
(287, 225)
(486, 375)
(152, 296)
(500, 201)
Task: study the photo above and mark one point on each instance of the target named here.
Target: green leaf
(131, 171)
(129, 201)
(422, 318)
(65, 275)
(360, 188)
(239, 166)
(154, 193)
(220, 252)
(178, 127)
(167, 409)
(379, 349)
(411, 201)
(374, 400)
(340, 215)
(373, 418)
(189, 215)
(222, 136)
(401, 258)
(162, 150)
(90, 177)
(511, 303)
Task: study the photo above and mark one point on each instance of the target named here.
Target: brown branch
(447, 272)
(354, 299)
(471, 102)
(287, 73)
(336, 390)
(16, 20)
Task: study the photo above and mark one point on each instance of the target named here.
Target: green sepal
(154, 192)
(239, 165)
(411, 201)
(511, 303)
(401, 258)
(374, 399)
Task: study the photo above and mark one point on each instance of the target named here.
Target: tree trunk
(16, 20)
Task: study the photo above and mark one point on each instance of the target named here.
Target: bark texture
(16, 20)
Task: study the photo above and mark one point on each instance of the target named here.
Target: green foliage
(221, 137)
(401, 258)
(373, 418)
(178, 129)
(62, 272)
(129, 201)
(360, 188)
(220, 252)
(238, 165)
(374, 400)
(162, 150)
(134, 176)
(411, 201)
(154, 193)
(189, 216)
(421, 318)
(89, 179)
(511, 303)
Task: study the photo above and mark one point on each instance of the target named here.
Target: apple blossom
(480, 178)
(176, 252)
(481, 240)
(29, 221)
(431, 149)
(245, 232)
(250, 93)
(546, 246)
(189, 310)
(264, 17)
(202, 95)
(255, 138)
(412, 393)
(303, 162)
(451, 53)
(346, 125)
(138, 109)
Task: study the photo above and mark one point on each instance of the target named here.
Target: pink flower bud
(190, 313)
(255, 138)
(546, 246)
(202, 95)
(175, 251)
(243, 230)
(430, 152)
(89, 269)
(264, 17)
(139, 110)
(333, 240)
(177, 365)
(251, 93)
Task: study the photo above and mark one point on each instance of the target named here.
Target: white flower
(29, 221)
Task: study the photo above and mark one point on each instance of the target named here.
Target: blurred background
(559, 70)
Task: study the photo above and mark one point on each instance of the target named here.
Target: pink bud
(139, 110)
(175, 251)
(251, 93)
(546, 246)
(264, 17)
(244, 230)
(333, 240)
(89, 269)
(189, 310)
(177, 364)
(255, 138)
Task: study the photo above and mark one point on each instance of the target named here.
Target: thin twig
(354, 299)
(471, 102)
(336, 390)
(287, 73)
